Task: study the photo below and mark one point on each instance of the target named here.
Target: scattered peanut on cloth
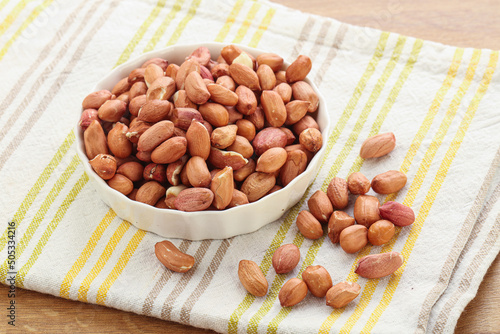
(372, 223)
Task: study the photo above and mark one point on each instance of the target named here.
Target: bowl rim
(325, 131)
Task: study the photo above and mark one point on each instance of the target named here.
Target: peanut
(389, 182)
(342, 294)
(132, 170)
(121, 183)
(381, 232)
(353, 238)
(118, 142)
(172, 258)
(339, 220)
(358, 184)
(366, 210)
(104, 165)
(311, 139)
(377, 146)
(399, 214)
(286, 258)
(320, 206)
(318, 280)
(379, 265)
(309, 226)
(292, 292)
(150, 192)
(338, 193)
(252, 278)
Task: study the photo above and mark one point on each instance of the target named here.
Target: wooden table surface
(465, 23)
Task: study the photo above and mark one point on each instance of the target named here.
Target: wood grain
(463, 23)
(482, 315)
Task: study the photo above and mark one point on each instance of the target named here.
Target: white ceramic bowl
(206, 224)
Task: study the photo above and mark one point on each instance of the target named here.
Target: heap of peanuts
(371, 223)
(204, 134)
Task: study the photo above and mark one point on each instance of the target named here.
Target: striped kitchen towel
(440, 101)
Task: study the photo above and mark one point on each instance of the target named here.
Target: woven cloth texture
(440, 101)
